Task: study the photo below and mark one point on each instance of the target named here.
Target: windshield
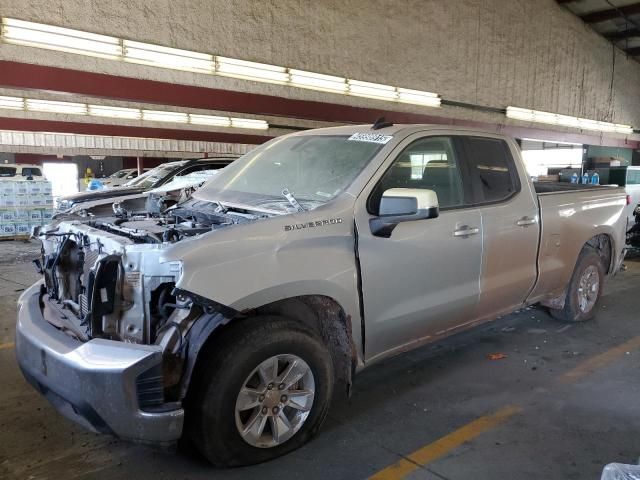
(119, 174)
(313, 168)
(151, 178)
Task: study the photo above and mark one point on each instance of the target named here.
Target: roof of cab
(406, 129)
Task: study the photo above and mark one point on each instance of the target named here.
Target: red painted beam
(32, 125)
(22, 75)
(62, 80)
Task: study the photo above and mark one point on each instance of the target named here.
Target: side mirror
(403, 205)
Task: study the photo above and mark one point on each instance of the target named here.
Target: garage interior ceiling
(51, 37)
(616, 20)
(109, 111)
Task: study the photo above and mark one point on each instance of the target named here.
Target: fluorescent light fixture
(372, 90)
(566, 120)
(115, 112)
(417, 97)
(12, 103)
(261, 72)
(164, 116)
(317, 81)
(51, 106)
(85, 43)
(57, 38)
(249, 123)
(157, 56)
(211, 120)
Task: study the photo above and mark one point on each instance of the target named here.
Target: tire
(213, 420)
(577, 310)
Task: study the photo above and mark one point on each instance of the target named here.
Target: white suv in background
(120, 177)
(9, 171)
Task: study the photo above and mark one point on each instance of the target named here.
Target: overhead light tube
(41, 35)
(174, 58)
(549, 118)
(261, 72)
(51, 106)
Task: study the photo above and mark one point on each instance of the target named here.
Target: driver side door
(424, 279)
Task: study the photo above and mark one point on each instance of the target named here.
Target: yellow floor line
(599, 361)
(449, 442)
(4, 346)
(444, 445)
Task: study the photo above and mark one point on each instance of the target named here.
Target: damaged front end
(119, 341)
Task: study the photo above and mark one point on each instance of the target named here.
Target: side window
(7, 171)
(428, 163)
(491, 168)
(31, 172)
(633, 177)
(193, 168)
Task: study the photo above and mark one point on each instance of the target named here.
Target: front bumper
(92, 383)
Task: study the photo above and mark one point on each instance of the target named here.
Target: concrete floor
(571, 394)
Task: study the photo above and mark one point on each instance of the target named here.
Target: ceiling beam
(634, 52)
(622, 34)
(61, 80)
(55, 126)
(610, 14)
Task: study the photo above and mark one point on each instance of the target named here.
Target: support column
(140, 167)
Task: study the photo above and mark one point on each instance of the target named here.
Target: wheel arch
(603, 244)
(323, 314)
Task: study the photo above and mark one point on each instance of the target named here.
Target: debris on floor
(496, 356)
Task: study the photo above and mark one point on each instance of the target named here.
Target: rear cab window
(7, 172)
(31, 172)
(492, 169)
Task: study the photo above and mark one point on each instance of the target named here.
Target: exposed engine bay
(173, 224)
(104, 277)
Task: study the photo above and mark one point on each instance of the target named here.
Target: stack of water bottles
(23, 205)
(586, 178)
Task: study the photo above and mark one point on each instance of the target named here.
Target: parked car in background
(16, 171)
(99, 202)
(312, 257)
(629, 178)
(120, 177)
(156, 201)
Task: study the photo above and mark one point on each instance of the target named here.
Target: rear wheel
(265, 392)
(584, 289)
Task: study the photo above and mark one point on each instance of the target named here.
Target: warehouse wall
(7, 158)
(529, 53)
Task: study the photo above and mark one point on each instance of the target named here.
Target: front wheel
(584, 290)
(264, 391)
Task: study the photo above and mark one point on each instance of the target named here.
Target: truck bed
(571, 214)
(559, 187)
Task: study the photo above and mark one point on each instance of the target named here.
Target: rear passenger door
(510, 223)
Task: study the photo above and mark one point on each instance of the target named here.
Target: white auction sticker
(371, 138)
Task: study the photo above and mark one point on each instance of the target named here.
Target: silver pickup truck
(231, 318)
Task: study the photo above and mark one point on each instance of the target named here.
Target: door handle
(526, 221)
(465, 231)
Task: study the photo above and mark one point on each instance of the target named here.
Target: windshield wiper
(292, 200)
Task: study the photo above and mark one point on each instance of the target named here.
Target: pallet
(16, 238)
